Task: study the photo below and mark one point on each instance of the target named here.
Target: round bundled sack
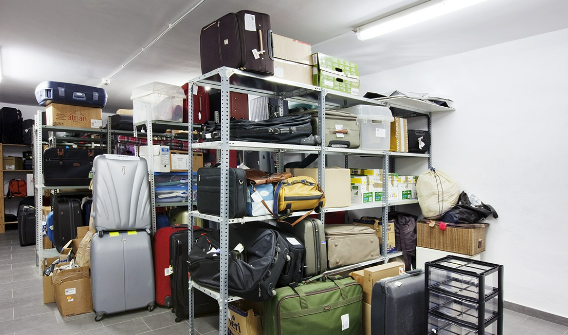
(437, 193)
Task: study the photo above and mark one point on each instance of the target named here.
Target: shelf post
(321, 132)
(109, 136)
(385, 225)
(191, 194)
(38, 187)
(150, 158)
(429, 116)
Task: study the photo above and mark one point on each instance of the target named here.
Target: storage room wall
(506, 143)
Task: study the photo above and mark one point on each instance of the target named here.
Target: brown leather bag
(257, 177)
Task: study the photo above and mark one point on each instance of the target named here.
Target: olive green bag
(331, 306)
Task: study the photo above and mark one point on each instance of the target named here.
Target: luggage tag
(256, 197)
(168, 271)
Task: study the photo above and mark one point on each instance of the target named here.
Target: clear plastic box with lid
(375, 123)
(163, 101)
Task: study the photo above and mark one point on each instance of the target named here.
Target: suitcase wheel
(179, 319)
(99, 317)
(151, 306)
(101, 234)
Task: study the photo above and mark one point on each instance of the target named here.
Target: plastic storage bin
(168, 194)
(461, 311)
(163, 101)
(176, 179)
(438, 326)
(374, 122)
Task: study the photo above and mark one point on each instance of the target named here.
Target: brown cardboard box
(337, 184)
(399, 135)
(47, 243)
(73, 116)
(13, 163)
(45, 211)
(244, 323)
(291, 50)
(467, 239)
(358, 276)
(72, 291)
(178, 160)
(297, 72)
(376, 273)
(366, 319)
(47, 283)
(82, 231)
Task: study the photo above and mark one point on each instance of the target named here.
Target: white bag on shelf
(437, 193)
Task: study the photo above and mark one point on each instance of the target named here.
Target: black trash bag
(465, 212)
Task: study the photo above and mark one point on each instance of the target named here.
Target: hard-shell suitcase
(341, 128)
(162, 270)
(122, 272)
(121, 122)
(49, 92)
(238, 104)
(201, 109)
(27, 226)
(208, 191)
(239, 40)
(27, 130)
(311, 233)
(418, 141)
(398, 305)
(67, 216)
(203, 304)
(350, 244)
(121, 193)
(10, 125)
(332, 306)
(68, 167)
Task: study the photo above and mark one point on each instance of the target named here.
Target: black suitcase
(27, 130)
(208, 191)
(68, 167)
(254, 269)
(293, 270)
(121, 122)
(27, 226)
(11, 125)
(398, 305)
(239, 40)
(418, 141)
(202, 303)
(49, 92)
(67, 216)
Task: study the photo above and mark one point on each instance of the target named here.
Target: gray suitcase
(350, 244)
(341, 128)
(398, 305)
(121, 193)
(122, 272)
(311, 233)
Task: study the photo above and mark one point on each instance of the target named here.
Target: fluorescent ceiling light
(411, 16)
(0, 65)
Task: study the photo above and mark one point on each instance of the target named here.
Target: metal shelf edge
(212, 293)
(353, 266)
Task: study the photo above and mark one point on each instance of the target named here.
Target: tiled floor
(22, 311)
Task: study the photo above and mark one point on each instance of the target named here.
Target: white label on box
(256, 197)
(344, 322)
(70, 291)
(279, 72)
(168, 271)
(293, 241)
(96, 123)
(380, 132)
(250, 22)
(328, 83)
(194, 89)
(10, 167)
(255, 53)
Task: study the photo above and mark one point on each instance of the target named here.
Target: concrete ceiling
(83, 41)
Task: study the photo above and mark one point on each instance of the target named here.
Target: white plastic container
(375, 123)
(163, 101)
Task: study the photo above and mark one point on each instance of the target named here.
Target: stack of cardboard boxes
(367, 186)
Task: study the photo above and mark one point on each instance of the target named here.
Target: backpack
(17, 188)
(49, 226)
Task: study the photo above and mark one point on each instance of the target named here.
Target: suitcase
(121, 122)
(68, 167)
(202, 303)
(349, 244)
(290, 129)
(121, 193)
(398, 305)
(27, 131)
(311, 233)
(238, 104)
(200, 105)
(27, 226)
(67, 216)
(122, 272)
(418, 141)
(341, 128)
(293, 270)
(49, 92)
(239, 40)
(260, 160)
(178, 215)
(208, 191)
(332, 306)
(10, 125)
(87, 205)
(162, 269)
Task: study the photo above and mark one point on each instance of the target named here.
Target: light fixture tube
(411, 16)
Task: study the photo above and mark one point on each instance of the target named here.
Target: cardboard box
(366, 319)
(468, 239)
(72, 291)
(361, 190)
(376, 273)
(48, 296)
(393, 187)
(335, 82)
(179, 161)
(335, 66)
(407, 188)
(161, 155)
(73, 116)
(376, 173)
(13, 163)
(241, 322)
(45, 212)
(30, 184)
(82, 231)
(358, 276)
(337, 184)
(399, 135)
(297, 72)
(47, 243)
(292, 50)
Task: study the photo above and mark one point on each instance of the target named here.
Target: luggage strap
(306, 310)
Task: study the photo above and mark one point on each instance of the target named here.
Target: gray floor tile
(126, 316)
(24, 274)
(21, 284)
(135, 326)
(5, 267)
(28, 291)
(172, 328)
(25, 301)
(206, 324)
(215, 332)
(6, 314)
(6, 279)
(542, 327)
(67, 327)
(160, 318)
(35, 309)
(30, 322)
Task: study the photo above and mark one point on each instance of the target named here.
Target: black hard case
(203, 304)
(209, 191)
(68, 167)
(232, 41)
(398, 305)
(27, 226)
(67, 216)
(11, 125)
(49, 92)
(121, 122)
(416, 138)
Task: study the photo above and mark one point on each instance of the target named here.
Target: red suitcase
(200, 105)
(239, 106)
(162, 264)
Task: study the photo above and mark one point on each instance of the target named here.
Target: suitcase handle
(260, 39)
(270, 42)
(340, 131)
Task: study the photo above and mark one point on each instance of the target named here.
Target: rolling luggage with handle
(162, 264)
(349, 244)
(341, 128)
(209, 190)
(27, 226)
(398, 305)
(121, 193)
(311, 233)
(10, 125)
(122, 272)
(49, 92)
(27, 130)
(201, 110)
(67, 216)
(239, 40)
(68, 167)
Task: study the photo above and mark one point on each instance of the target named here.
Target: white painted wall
(507, 144)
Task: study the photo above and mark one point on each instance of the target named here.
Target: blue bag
(265, 192)
(49, 226)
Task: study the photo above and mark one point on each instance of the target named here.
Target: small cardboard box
(300, 73)
(285, 48)
(337, 184)
(335, 82)
(13, 163)
(241, 322)
(376, 273)
(161, 154)
(47, 283)
(361, 190)
(467, 239)
(73, 116)
(399, 135)
(335, 66)
(45, 212)
(366, 319)
(72, 291)
(393, 187)
(179, 160)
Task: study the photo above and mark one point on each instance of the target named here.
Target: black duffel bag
(465, 212)
(256, 259)
(68, 167)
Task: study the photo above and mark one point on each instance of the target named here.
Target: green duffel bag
(331, 306)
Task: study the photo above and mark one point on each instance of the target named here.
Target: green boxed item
(332, 306)
(335, 82)
(336, 66)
